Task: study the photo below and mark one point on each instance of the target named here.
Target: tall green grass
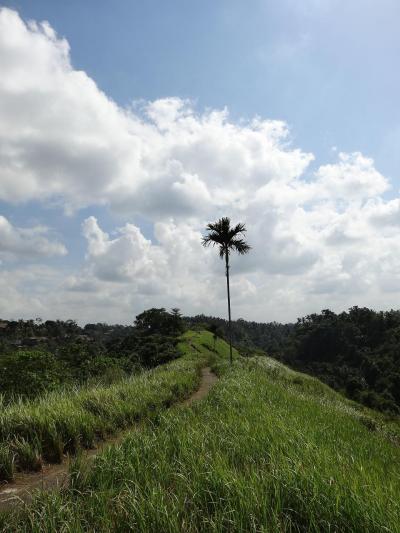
(269, 450)
(62, 422)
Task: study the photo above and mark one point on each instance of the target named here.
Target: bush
(30, 373)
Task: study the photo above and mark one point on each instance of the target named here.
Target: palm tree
(228, 239)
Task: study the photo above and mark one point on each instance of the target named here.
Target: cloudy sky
(125, 127)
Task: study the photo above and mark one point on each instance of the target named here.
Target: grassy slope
(268, 450)
(62, 422)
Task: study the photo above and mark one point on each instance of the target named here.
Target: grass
(269, 450)
(62, 422)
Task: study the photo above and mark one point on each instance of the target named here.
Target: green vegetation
(248, 336)
(60, 422)
(67, 355)
(355, 352)
(268, 450)
(30, 372)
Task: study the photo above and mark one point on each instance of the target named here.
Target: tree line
(356, 352)
(38, 356)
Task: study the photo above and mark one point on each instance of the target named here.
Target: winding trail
(54, 476)
(208, 378)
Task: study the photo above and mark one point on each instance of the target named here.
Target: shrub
(30, 373)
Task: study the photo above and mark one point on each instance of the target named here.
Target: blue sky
(328, 69)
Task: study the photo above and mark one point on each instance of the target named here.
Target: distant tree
(228, 238)
(151, 321)
(177, 320)
(29, 373)
(13, 329)
(159, 321)
(356, 352)
(154, 338)
(72, 327)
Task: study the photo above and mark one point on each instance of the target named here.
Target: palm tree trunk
(229, 306)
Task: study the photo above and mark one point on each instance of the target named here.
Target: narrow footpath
(56, 476)
(208, 378)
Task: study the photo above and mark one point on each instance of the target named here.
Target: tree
(177, 320)
(228, 238)
(30, 373)
(159, 321)
(152, 321)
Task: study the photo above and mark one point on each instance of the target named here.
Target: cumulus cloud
(173, 266)
(127, 257)
(63, 140)
(353, 177)
(26, 243)
(323, 238)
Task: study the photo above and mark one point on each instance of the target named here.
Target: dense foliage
(30, 372)
(38, 356)
(357, 352)
(247, 336)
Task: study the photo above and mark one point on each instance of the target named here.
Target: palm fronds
(227, 238)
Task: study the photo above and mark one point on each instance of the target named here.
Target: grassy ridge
(269, 450)
(61, 422)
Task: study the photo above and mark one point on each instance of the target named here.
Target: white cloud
(322, 239)
(26, 243)
(127, 257)
(384, 214)
(63, 140)
(354, 177)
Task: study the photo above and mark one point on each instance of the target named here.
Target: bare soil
(208, 378)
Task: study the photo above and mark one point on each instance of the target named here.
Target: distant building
(17, 343)
(32, 341)
(84, 338)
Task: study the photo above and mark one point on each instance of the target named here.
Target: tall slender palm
(228, 239)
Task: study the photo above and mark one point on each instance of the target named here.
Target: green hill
(268, 450)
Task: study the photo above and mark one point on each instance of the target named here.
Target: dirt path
(208, 378)
(54, 476)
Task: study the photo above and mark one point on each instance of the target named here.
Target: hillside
(268, 450)
(355, 352)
